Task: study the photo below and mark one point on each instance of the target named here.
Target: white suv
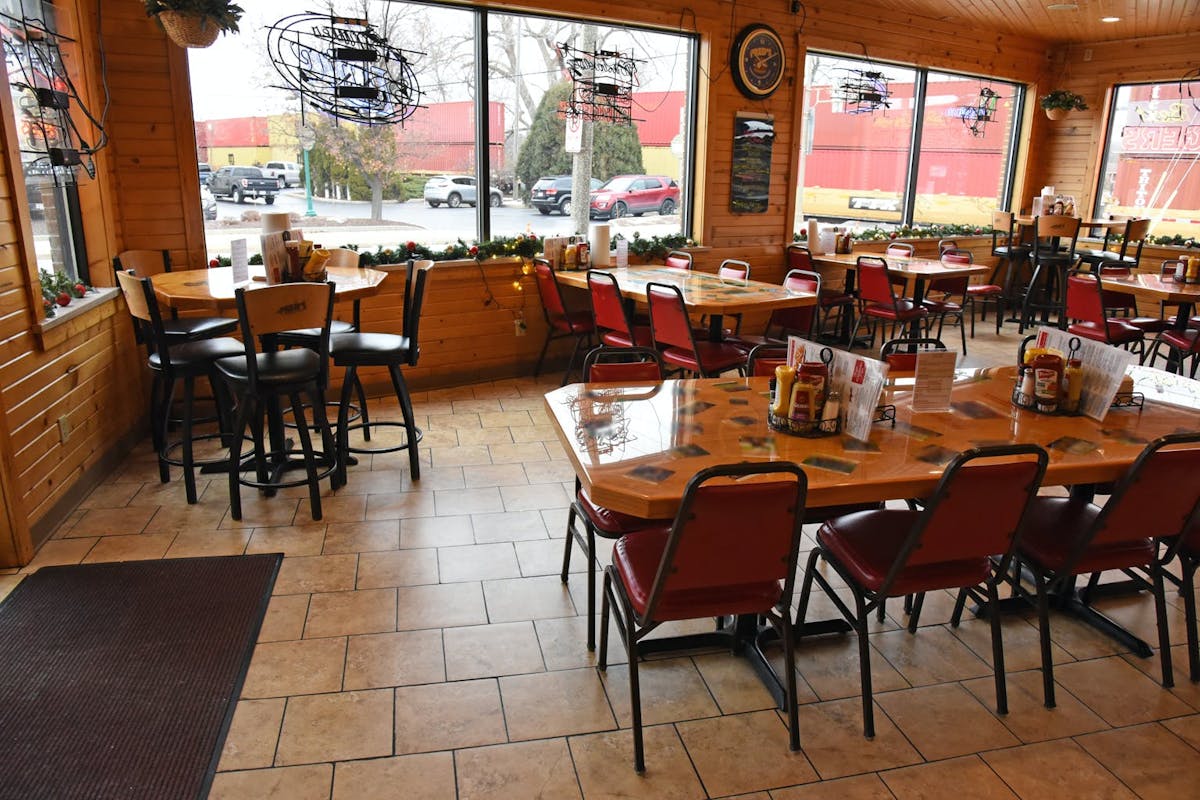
(287, 172)
(457, 190)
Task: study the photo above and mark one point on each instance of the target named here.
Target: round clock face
(758, 61)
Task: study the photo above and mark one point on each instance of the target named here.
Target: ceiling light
(1110, 19)
(1063, 7)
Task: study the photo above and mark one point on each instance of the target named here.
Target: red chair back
(799, 257)
(952, 528)
(947, 245)
(900, 249)
(958, 257)
(669, 321)
(732, 268)
(547, 284)
(597, 369)
(763, 359)
(799, 318)
(1084, 300)
(874, 285)
(734, 533)
(905, 361)
(608, 307)
(678, 260)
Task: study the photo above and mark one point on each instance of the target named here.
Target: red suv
(634, 194)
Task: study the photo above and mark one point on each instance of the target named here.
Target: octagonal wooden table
(214, 288)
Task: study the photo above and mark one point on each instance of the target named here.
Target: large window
(1150, 161)
(888, 144)
(465, 164)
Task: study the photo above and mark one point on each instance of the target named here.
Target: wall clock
(758, 61)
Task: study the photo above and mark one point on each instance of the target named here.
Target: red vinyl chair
(560, 323)
(979, 294)
(673, 330)
(1157, 498)
(1124, 304)
(610, 313)
(678, 259)
(598, 520)
(1186, 547)
(732, 269)
(1085, 305)
(1183, 344)
(732, 550)
(948, 545)
(906, 360)
(763, 359)
(877, 299)
(951, 296)
(900, 250)
(829, 300)
(800, 320)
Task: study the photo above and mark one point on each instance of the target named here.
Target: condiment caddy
(801, 402)
(1048, 383)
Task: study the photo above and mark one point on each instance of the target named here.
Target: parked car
(554, 194)
(238, 183)
(208, 203)
(634, 194)
(205, 172)
(456, 190)
(286, 171)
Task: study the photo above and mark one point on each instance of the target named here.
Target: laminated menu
(858, 379)
(1103, 368)
(934, 381)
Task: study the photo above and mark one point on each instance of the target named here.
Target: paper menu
(1103, 368)
(275, 257)
(622, 253)
(859, 380)
(237, 257)
(934, 381)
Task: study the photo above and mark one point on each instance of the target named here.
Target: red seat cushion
(614, 523)
(1181, 340)
(986, 289)
(1149, 324)
(574, 322)
(715, 356)
(942, 306)
(904, 310)
(642, 337)
(1053, 528)
(636, 559)
(1119, 331)
(867, 543)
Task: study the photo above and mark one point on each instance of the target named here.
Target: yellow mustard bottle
(784, 376)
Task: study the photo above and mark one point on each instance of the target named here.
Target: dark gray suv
(554, 194)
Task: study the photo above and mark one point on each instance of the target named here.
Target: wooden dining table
(214, 288)
(703, 292)
(634, 447)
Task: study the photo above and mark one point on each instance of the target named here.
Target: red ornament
(894, 235)
(411, 246)
(474, 250)
(63, 298)
(216, 262)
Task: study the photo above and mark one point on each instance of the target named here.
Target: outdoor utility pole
(581, 162)
(308, 138)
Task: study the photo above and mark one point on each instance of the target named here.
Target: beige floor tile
(544, 557)
(518, 453)
(1022, 642)
(1136, 614)
(252, 735)
(1028, 716)
(473, 436)
(129, 548)
(429, 776)
(744, 753)
(301, 540)
(734, 684)
(308, 666)
(1118, 692)
(944, 721)
(336, 508)
(1079, 640)
(213, 542)
(377, 481)
(8, 583)
(394, 659)
(860, 787)
(509, 526)
(118, 495)
(178, 516)
(495, 474)
(831, 734)
(397, 568)
(829, 664)
(1149, 759)
(111, 522)
(546, 471)
(518, 599)
(561, 703)
(931, 655)
(422, 532)
(400, 505)
(672, 690)
(295, 783)
(446, 605)
(462, 456)
(336, 727)
(361, 537)
(1186, 728)
(60, 551)
(488, 650)
(285, 618)
(534, 497)
(564, 643)
(1184, 688)
(510, 419)
(604, 763)
(947, 780)
(345, 613)
(259, 511)
(1055, 769)
(540, 770)
(308, 574)
(477, 562)
(444, 716)
(468, 501)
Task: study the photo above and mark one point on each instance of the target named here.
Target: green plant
(222, 13)
(1064, 99)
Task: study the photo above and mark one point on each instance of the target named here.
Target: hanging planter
(194, 23)
(1059, 102)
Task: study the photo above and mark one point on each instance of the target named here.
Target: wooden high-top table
(635, 447)
(214, 288)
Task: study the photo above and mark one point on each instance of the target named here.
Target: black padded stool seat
(278, 368)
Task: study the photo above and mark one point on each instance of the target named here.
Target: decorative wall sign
(753, 139)
(758, 61)
(343, 67)
(603, 83)
(863, 91)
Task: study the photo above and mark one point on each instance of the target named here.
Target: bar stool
(354, 350)
(186, 361)
(1051, 260)
(147, 263)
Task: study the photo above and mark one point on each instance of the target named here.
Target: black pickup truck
(238, 183)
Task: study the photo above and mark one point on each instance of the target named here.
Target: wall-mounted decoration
(753, 139)
(602, 84)
(344, 68)
(863, 91)
(975, 117)
(758, 61)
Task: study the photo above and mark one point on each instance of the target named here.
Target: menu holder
(811, 430)
(239, 262)
(275, 257)
(1103, 368)
(859, 381)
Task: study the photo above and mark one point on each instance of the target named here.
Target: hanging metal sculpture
(342, 67)
(976, 117)
(603, 82)
(863, 91)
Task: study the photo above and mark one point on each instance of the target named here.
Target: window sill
(80, 314)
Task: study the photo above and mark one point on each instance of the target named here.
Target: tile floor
(419, 644)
